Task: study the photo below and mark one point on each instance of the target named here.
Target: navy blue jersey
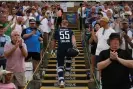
(64, 38)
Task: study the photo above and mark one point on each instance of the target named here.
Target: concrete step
(73, 70)
(73, 61)
(67, 82)
(64, 88)
(74, 66)
(72, 75)
(78, 45)
(76, 58)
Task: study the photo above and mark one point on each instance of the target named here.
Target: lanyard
(103, 31)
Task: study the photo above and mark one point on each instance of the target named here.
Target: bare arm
(9, 53)
(53, 44)
(94, 36)
(128, 39)
(103, 64)
(25, 36)
(127, 63)
(23, 50)
(91, 40)
(6, 28)
(74, 41)
(40, 39)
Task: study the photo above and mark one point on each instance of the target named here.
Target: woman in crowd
(93, 45)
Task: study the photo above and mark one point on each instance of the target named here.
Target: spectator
(93, 45)
(87, 10)
(6, 24)
(15, 53)
(13, 16)
(25, 6)
(3, 40)
(126, 36)
(80, 14)
(99, 16)
(92, 16)
(59, 16)
(106, 6)
(117, 27)
(45, 29)
(34, 12)
(18, 25)
(32, 36)
(26, 18)
(114, 64)
(110, 16)
(5, 80)
(127, 11)
(102, 35)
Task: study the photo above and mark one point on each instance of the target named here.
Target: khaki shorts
(19, 79)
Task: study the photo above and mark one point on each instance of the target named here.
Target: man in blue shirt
(3, 39)
(32, 38)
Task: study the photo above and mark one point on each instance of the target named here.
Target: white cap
(5, 72)
(32, 18)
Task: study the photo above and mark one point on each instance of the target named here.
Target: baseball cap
(1, 25)
(5, 72)
(105, 19)
(32, 21)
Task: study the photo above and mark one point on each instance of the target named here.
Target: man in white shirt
(44, 27)
(26, 18)
(102, 36)
(34, 12)
(81, 14)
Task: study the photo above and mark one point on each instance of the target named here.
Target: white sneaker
(62, 84)
(67, 73)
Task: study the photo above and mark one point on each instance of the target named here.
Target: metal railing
(87, 56)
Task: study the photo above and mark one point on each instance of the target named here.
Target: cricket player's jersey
(64, 38)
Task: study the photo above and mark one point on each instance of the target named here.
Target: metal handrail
(88, 57)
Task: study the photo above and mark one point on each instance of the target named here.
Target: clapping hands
(18, 43)
(113, 55)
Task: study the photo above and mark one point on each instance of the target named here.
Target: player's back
(64, 37)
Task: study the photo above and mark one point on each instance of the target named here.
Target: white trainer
(62, 84)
